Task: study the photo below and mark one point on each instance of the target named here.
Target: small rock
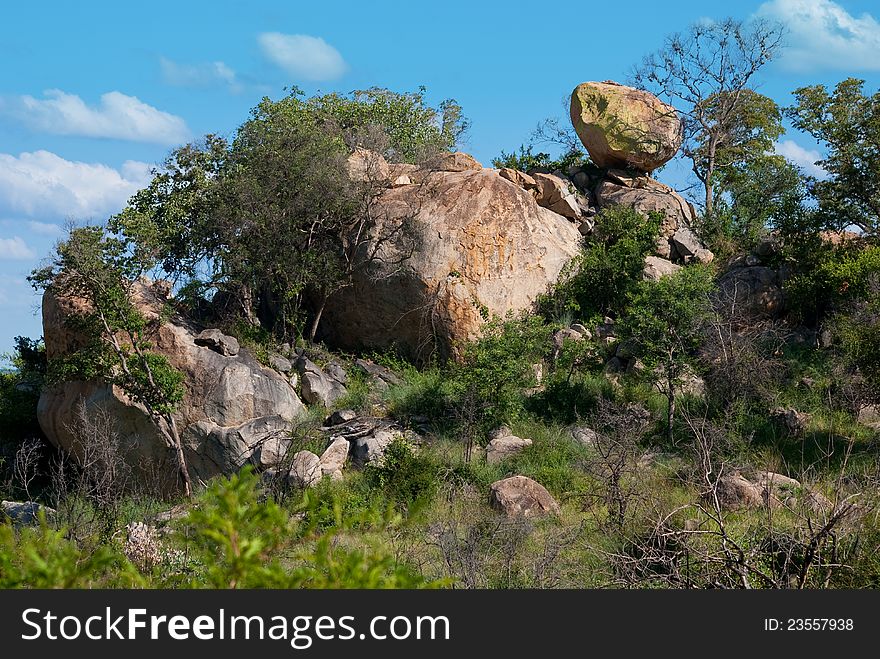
(372, 447)
(521, 179)
(585, 436)
(689, 248)
(339, 417)
(583, 331)
(563, 335)
(280, 364)
(24, 513)
(501, 448)
(271, 452)
(795, 422)
(734, 491)
(869, 416)
(317, 387)
(305, 470)
(657, 268)
(519, 496)
(454, 162)
(333, 458)
(382, 377)
(218, 342)
(336, 372)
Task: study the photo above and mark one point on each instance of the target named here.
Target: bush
(42, 557)
(405, 477)
(597, 282)
(493, 373)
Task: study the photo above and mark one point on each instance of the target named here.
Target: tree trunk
(710, 171)
(670, 412)
(181, 458)
(316, 321)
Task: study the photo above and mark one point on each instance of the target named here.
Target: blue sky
(94, 94)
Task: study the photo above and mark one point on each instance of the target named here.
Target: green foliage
(833, 275)
(847, 123)
(425, 392)
(708, 73)
(526, 160)
(597, 282)
(857, 334)
(665, 317)
(20, 392)
(98, 269)
(234, 536)
(664, 324)
(412, 130)
(742, 127)
(42, 557)
(271, 222)
(753, 197)
(493, 372)
(240, 541)
(406, 477)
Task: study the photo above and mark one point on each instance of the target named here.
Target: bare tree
(26, 463)
(708, 74)
(89, 492)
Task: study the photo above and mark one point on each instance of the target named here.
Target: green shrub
(407, 478)
(42, 557)
(234, 536)
(597, 282)
(493, 373)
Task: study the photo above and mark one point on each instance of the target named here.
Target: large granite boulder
(479, 245)
(624, 127)
(231, 403)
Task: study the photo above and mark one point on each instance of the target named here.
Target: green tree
(762, 193)
(663, 327)
(99, 271)
(707, 74)
(847, 124)
(493, 372)
(273, 221)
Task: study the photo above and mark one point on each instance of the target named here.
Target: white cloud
(302, 56)
(45, 228)
(804, 158)
(116, 116)
(822, 35)
(44, 186)
(15, 249)
(211, 74)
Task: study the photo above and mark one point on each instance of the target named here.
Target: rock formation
(482, 245)
(231, 404)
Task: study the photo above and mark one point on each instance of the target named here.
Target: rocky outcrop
(519, 496)
(231, 403)
(624, 127)
(480, 244)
